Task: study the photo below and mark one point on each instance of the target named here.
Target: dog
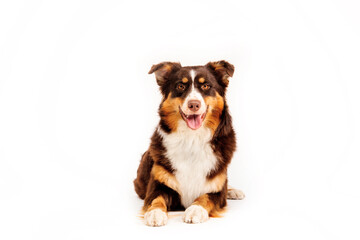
(185, 167)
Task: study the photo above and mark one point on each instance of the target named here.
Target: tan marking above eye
(185, 80)
(201, 80)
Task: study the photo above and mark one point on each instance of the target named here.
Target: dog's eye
(180, 87)
(205, 86)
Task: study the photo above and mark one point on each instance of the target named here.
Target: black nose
(194, 105)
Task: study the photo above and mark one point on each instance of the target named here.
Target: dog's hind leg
(143, 175)
(234, 194)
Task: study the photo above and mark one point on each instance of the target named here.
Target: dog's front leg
(156, 204)
(203, 206)
(156, 212)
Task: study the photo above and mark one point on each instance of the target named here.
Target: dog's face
(195, 95)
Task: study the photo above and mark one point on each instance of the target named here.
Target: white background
(77, 109)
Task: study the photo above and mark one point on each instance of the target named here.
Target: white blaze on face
(192, 74)
(193, 95)
(193, 119)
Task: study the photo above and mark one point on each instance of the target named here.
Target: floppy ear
(163, 70)
(222, 70)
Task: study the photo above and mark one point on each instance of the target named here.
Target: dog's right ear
(163, 70)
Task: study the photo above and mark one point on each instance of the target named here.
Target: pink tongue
(194, 121)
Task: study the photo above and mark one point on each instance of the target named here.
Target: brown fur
(165, 177)
(223, 70)
(217, 106)
(156, 182)
(169, 112)
(157, 203)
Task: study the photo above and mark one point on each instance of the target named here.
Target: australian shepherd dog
(185, 167)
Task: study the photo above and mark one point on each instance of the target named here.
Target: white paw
(195, 214)
(235, 194)
(155, 218)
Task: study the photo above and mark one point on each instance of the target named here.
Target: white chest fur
(192, 158)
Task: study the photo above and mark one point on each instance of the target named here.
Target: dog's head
(194, 94)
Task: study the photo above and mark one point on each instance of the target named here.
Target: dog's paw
(235, 194)
(195, 214)
(155, 218)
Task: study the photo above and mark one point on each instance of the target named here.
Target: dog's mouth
(193, 121)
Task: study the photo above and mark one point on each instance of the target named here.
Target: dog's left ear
(222, 71)
(163, 70)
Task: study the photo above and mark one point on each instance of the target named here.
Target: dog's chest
(192, 158)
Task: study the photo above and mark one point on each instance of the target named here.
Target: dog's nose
(194, 105)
